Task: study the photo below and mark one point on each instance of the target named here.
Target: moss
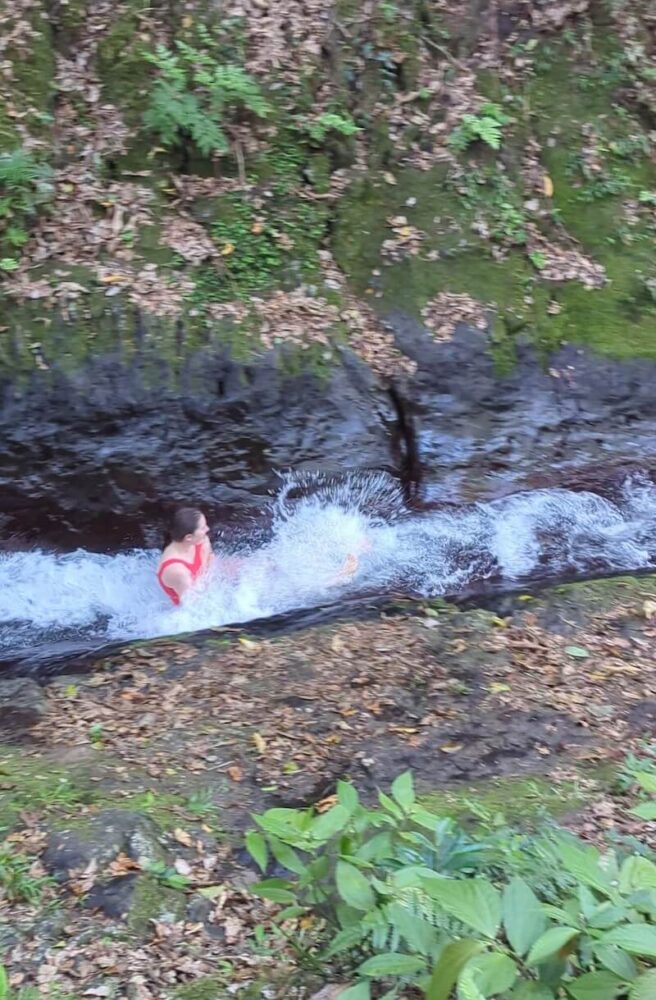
(515, 800)
(153, 902)
(28, 783)
(205, 988)
(124, 73)
(30, 89)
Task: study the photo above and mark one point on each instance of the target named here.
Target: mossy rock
(152, 901)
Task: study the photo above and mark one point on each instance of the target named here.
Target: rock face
(110, 833)
(108, 452)
(22, 704)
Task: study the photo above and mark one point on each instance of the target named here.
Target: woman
(188, 554)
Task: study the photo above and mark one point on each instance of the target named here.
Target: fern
(193, 96)
(487, 126)
(330, 122)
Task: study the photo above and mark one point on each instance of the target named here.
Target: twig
(447, 55)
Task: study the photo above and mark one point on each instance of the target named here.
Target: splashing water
(317, 523)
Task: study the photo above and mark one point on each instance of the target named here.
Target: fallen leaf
(211, 891)
(235, 773)
(548, 186)
(183, 837)
(649, 609)
(260, 743)
(389, 178)
(578, 651)
(182, 867)
(451, 747)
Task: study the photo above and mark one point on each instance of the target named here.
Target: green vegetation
(486, 126)
(18, 884)
(25, 186)
(193, 97)
(408, 899)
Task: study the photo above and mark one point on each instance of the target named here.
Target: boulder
(22, 704)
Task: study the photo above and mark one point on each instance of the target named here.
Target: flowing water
(50, 600)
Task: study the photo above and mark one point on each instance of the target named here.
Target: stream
(52, 601)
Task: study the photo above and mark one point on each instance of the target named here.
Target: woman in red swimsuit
(187, 555)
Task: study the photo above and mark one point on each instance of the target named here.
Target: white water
(46, 597)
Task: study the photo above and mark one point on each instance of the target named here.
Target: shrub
(443, 926)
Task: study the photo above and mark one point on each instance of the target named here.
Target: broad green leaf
(637, 939)
(607, 916)
(584, 864)
(257, 848)
(615, 959)
(646, 810)
(361, 991)
(290, 912)
(348, 797)
(493, 972)
(475, 902)
(532, 991)
(376, 849)
(328, 824)
(595, 986)
(354, 887)
(523, 919)
(425, 819)
(4, 983)
(580, 652)
(391, 806)
(551, 943)
(391, 964)
(418, 934)
(646, 781)
(344, 940)
(274, 889)
(468, 988)
(644, 988)
(286, 856)
(588, 902)
(449, 966)
(403, 791)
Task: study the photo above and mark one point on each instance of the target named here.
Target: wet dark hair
(184, 522)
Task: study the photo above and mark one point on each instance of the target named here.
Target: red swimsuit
(194, 568)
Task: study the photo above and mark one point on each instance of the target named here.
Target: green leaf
(418, 934)
(643, 988)
(275, 889)
(615, 959)
(475, 902)
(647, 781)
(449, 966)
(403, 791)
(257, 848)
(532, 991)
(348, 797)
(345, 940)
(361, 991)
(523, 919)
(493, 972)
(376, 849)
(583, 864)
(552, 942)
(425, 819)
(390, 805)
(289, 913)
(595, 986)
(354, 887)
(328, 824)
(578, 651)
(607, 916)
(391, 964)
(646, 810)
(4, 983)
(287, 856)
(468, 987)
(637, 939)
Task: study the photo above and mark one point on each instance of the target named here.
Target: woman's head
(188, 525)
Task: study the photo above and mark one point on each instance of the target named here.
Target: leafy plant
(328, 122)
(537, 259)
(486, 126)
(17, 881)
(166, 875)
(25, 184)
(193, 98)
(436, 923)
